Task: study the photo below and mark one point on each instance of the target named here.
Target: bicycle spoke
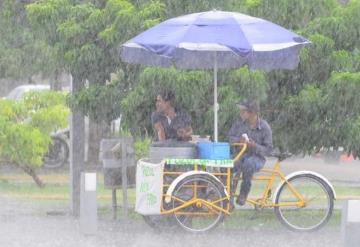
(203, 214)
(317, 206)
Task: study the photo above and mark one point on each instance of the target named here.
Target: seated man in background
(257, 134)
(170, 122)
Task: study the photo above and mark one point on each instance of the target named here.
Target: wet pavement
(338, 172)
(27, 224)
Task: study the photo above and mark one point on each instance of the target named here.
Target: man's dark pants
(248, 165)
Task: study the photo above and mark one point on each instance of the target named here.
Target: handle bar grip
(242, 149)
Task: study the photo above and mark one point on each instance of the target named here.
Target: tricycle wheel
(160, 222)
(317, 208)
(198, 201)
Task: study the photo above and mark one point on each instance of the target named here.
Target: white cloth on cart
(149, 183)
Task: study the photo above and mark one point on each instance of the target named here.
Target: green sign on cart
(202, 162)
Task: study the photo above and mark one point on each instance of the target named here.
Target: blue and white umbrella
(218, 40)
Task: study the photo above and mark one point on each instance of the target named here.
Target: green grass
(57, 188)
(249, 218)
(266, 219)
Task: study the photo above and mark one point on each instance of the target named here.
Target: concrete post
(350, 223)
(88, 205)
(126, 159)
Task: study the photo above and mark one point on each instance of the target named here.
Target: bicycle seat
(280, 155)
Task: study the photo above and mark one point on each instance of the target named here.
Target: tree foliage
(87, 35)
(292, 14)
(194, 92)
(313, 113)
(100, 103)
(299, 104)
(22, 54)
(25, 128)
(309, 108)
(331, 110)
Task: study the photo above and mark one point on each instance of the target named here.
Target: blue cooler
(214, 150)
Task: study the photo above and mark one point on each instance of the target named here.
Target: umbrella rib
(241, 31)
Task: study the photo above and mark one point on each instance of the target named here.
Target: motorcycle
(58, 153)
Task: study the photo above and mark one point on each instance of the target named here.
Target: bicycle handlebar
(281, 156)
(242, 150)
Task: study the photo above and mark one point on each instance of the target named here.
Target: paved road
(24, 224)
(344, 172)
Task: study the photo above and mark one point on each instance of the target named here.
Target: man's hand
(160, 131)
(249, 142)
(242, 140)
(184, 133)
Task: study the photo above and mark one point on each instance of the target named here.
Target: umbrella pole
(216, 106)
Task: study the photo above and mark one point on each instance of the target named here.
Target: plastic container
(214, 150)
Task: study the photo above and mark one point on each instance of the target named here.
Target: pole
(216, 106)
(77, 137)
(124, 162)
(114, 203)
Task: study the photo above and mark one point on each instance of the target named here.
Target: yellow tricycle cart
(196, 194)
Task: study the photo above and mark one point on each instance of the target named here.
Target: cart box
(214, 150)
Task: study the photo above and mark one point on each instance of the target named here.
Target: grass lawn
(19, 185)
(250, 219)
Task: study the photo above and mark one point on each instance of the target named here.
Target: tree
(306, 116)
(177, 8)
(295, 100)
(194, 92)
(87, 36)
(332, 112)
(342, 26)
(292, 14)
(22, 54)
(25, 128)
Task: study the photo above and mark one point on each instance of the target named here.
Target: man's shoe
(241, 199)
(231, 204)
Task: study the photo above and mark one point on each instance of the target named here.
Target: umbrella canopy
(215, 39)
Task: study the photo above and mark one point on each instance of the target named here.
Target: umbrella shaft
(216, 107)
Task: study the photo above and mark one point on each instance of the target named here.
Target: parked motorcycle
(58, 153)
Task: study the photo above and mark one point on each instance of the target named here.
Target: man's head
(248, 109)
(164, 100)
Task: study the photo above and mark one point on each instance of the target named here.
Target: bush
(25, 128)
